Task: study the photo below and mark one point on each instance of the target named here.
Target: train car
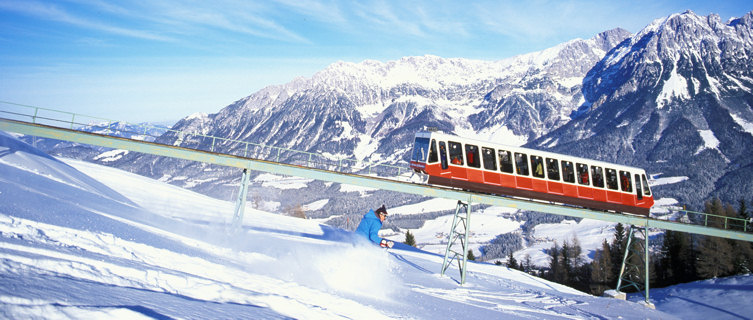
(486, 167)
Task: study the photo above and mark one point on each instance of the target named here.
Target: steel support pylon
(456, 235)
(240, 203)
(636, 248)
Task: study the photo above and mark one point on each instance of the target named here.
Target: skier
(370, 225)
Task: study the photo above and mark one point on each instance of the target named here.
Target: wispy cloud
(54, 13)
(239, 17)
(328, 12)
(161, 20)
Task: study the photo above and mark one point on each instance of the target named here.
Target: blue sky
(140, 60)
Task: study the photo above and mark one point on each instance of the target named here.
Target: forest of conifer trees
(675, 257)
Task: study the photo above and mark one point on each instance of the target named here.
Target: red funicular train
(486, 167)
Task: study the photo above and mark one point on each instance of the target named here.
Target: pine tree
(527, 265)
(715, 258)
(578, 272)
(743, 211)
(617, 249)
(576, 260)
(743, 258)
(554, 262)
(409, 239)
(677, 263)
(602, 276)
(566, 264)
(471, 256)
(511, 262)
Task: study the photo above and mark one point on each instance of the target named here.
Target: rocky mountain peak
(674, 98)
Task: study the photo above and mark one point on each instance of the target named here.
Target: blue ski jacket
(369, 227)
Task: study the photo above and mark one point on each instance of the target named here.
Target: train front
(420, 151)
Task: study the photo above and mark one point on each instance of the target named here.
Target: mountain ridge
(674, 99)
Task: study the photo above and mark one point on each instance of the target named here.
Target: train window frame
(537, 162)
(489, 158)
(443, 155)
(646, 190)
(455, 151)
(638, 190)
(521, 164)
(582, 170)
(597, 176)
(552, 171)
(506, 166)
(568, 171)
(433, 156)
(420, 149)
(626, 181)
(472, 156)
(611, 179)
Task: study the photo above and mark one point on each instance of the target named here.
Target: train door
(489, 158)
(474, 161)
(522, 179)
(570, 188)
(648, 201)
(507, 179)
(553, 174)
(457, 165)
(537, 170)
(626, 185)
(613, 194)
(597, 179)
(638, 189)
(584, 182)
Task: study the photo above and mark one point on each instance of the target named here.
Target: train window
(552, 169)
(433, 152)
(420, 149)
(598, 176)
(638, 190)
(537, 163)
(443, 155)
(471, 153)
(456, 153)
(646, 190)
(612, 179)
(490, 160)
(505, 161)
(521, 163)
(582, 173)
(568, 175)
(626, 182)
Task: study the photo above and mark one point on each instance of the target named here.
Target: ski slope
(79, 240)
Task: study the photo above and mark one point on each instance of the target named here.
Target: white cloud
(54, 13)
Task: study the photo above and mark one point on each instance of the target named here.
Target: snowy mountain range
(674, 98)
(371, 110)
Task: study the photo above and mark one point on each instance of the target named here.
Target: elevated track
(73, 135)
(60, 125)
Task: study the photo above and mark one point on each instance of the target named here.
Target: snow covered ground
(83, 241)
(725, 298)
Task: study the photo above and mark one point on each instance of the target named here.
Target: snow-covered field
(83, 241)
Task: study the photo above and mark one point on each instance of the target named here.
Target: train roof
(483, 143)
